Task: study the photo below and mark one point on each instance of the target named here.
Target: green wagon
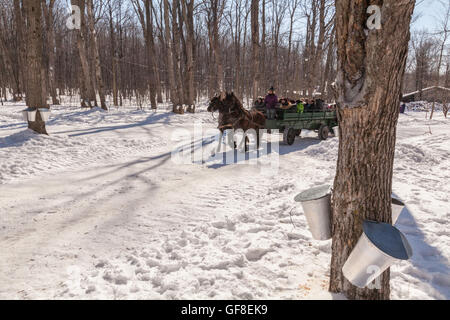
(291, 123)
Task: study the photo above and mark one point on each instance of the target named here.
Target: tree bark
(87, 90)
(35, 96)
(188, 14)
(370, 73)
(15, 81)
(51, 47)
(255, 48)
(94, 44)
(216, 12)
(19, 25)
(150, 42)
(263, 41)
(114, 58)
(169, 57)
(177, 56)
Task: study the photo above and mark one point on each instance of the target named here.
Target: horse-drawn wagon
(287, 120)
(291, 123)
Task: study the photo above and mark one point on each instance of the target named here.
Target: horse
(233, 115)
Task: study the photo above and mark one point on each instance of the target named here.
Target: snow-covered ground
(98, 209)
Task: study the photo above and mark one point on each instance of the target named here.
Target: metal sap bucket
(316, 204)
(25, 115)
(32, 115)
(45, 114)
(380, 246)
(397, 208)
(336, 131)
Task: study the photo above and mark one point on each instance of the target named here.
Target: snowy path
(116, 218)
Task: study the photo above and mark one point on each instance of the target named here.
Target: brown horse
(233, 115)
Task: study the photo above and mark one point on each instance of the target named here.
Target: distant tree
(423, 49)
(444, 34)
(96, 54)
(36, 96)
(255, 48)
(49, 12)
(188, 16)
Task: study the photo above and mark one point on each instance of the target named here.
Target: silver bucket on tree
(397, 208)
(25, 115)
(316, 203)
(29, 114)
(32, 115)
(45, 114)
(380, 246)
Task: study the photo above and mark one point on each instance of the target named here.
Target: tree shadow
(14, 125)
(164, 157)
(151, 119)
(300, 144)
(425, 256)
(17, 139)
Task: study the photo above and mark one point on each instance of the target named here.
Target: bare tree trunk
(94, 44)
(114, 57)
(19, 25)
(318, 55)
(255, 47)
(263, 41)
(15, 81)
(169, 57)
(151, 52)
(370, 75)
(51, 47)
(85, 80)
(235, 22)
(216, 9)
(445, 32)
(292, 11)
(35, 96)
(188, 14)
(212, 79)
(159, 97)
(177, 56)
(328, 73)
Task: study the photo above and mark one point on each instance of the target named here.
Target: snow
(424, 106)
(98, 210)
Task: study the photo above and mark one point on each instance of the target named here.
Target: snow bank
(110, 225)
(26, 154)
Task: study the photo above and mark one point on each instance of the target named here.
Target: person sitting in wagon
(307, 106)
(300, 107)
(259, 104)
(271, 102)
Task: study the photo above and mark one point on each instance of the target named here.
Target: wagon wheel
(289, 136)
(324, 132)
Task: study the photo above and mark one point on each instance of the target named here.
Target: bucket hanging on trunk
(397, 208)
(316, 203)
(379, 247)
